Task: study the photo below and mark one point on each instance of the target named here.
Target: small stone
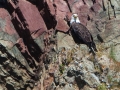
(69, 79)
(76, 63)
(62, 82)
(36, 84)
(69, 87)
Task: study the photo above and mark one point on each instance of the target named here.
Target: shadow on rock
(80, 83)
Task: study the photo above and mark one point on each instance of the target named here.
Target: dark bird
(82, 33)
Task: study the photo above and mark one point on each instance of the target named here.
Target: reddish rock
(54, 13)
(81, 9)
(48, 11)
(68, 16)
(9, 27)
(58, 9)
(62, 25)
(29, 17)
(96, 7)
(51, 7)
(61, 13)
(6, 24)
(86, 9)
(47, 82)
(83, 14)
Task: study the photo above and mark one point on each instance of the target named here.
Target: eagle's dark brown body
(83, 34)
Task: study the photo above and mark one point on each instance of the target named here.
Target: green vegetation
(69, 58)
(112, 54)
(70, 54)
(109, 78)
(100, 48)
(61, 68)
(118, 84)
(98, 68)
(115, 84)
(101, 87)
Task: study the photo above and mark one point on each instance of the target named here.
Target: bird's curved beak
(75, 17)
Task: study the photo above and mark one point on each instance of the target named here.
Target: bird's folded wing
(82, 32)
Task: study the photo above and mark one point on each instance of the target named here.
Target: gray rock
(71, 73)
(51, 87)
(40, 42)
(62, 82)
(70, 80)
(69, 87)
(91, 79)
(56, 78)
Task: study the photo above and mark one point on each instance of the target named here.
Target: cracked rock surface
(36, 52)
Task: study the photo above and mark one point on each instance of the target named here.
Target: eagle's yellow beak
(75, 17)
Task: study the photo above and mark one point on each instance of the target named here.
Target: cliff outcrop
(37, 53)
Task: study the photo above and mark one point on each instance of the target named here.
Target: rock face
(37, 54)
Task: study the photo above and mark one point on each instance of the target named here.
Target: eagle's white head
(74, 18)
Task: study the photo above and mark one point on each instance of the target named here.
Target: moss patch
(61, 68)
(101, 87)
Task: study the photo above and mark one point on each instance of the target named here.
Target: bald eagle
(82, 33)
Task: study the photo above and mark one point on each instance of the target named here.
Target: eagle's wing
(82, 32)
